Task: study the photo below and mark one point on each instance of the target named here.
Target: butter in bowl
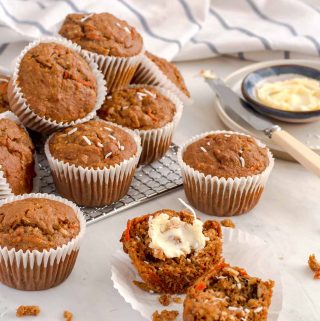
(290, 93)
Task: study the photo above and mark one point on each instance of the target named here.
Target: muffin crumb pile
(27, 310)
(165, 315)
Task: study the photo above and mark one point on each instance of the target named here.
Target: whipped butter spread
(175, 237)
(296, 94)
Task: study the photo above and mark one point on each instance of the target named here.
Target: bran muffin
(171, 272)
(224, 173)
(228, 293)
(148, 111)
(66, 88)
(43, 231)
(104, 153)
(157, 71)
(109, 41)
(16, 157)
(4, 102)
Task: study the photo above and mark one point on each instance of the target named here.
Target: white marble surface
(287, 217)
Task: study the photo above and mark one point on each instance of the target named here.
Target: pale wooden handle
(304, 155)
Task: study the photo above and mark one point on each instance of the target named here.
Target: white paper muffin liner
(149, 73)
(239, 249)
(117, 71)
(20, 106)
(156, 142)
(5, 189)
(94, 187)
(38, 270)
(221, 196)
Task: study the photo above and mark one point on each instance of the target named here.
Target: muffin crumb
(165, 299)
(314, 265)
(177, 300)
(68, 315)
(165, 315)
(228, 223)
(27, 310)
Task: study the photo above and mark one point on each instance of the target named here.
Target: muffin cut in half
(171, 250)
(228, 294)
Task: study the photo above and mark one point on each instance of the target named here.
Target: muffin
(157, 71)
(55, 85)
(4, 102)
(112, 43)
(42, 231)
(170, 249)
(151, 112)
(17, 163)
(228, 293)
(93, 163)
(224, 173)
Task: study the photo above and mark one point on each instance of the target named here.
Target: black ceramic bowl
(252, 80)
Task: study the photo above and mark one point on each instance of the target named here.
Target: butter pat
(174, 237)
(296, 94)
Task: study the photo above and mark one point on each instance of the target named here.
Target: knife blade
(229, 99)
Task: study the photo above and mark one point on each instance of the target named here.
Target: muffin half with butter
(151, 112)
(224, 173)
(55, 85)
(93, 163)
(171, 250)
(40, 237)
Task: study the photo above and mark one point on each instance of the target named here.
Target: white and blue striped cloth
(180, 29)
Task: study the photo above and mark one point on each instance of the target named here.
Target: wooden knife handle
(303, 154)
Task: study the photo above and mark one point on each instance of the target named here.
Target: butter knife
(229, 99)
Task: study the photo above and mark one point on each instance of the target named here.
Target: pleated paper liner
(39, 270)
(222, 196)
(19, 104)
(94, 187)
(5, 189)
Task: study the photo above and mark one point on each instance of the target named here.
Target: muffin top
(16, 156)
(37, 224)
(57, 83)
(170, 70)
(226, 155)
(4, 102)
(103, 34)
(138, 108)
(93, 144)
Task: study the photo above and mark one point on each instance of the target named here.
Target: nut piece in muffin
(140, 108)
(102, 33)
(105, 154)
(228, 293)
(225, 155)
(4, 102)
(170, 250)
(37, 224)
(62, 88)
(224, 173)
(16, 156)
(93, 144)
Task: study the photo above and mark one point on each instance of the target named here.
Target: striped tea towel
(180, 29)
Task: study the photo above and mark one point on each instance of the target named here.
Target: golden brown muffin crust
(16, 156)
(170, 70)
(102, 33)
(94, 144)
(37, 224)
(226, 155)
(57, 83)
(138, 108)
(4, 102)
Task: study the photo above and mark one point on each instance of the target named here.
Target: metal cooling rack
(149, 182)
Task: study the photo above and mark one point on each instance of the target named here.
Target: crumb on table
(143, 286)
(165, 315)
(68, 315)
(165, 299)
(228, 223)
(27, 310)
(314, 265)
(177, 299)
